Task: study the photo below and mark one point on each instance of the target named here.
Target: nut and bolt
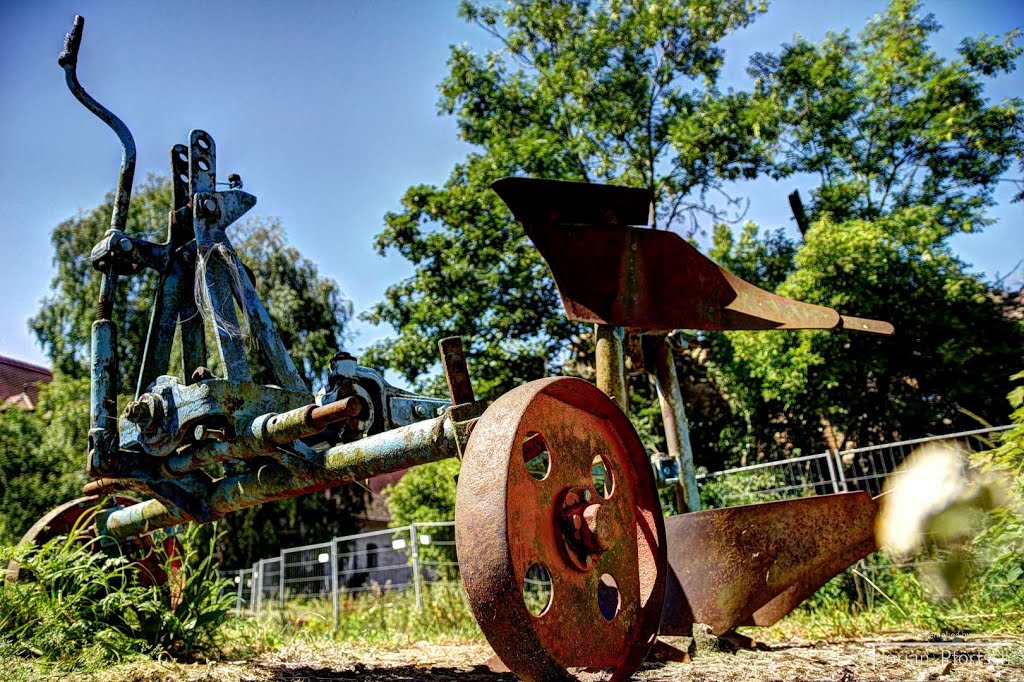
(137, 411)
(203, 432)
(147, 412)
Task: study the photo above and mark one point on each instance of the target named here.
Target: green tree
(944, 368)
(308, 310)
(886, 123)
(617, 91)
(728, 422)
(427, 493)
(38, 469)
(907, 151)
(64, 321)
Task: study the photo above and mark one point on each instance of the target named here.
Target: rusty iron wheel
(560, 535)
(76, 517)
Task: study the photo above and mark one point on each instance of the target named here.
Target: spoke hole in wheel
(601, 473)
(537, 591)
(609, 599)
(536, 456)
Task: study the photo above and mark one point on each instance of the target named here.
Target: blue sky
(326, 109)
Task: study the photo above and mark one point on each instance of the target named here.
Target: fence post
(258, 582)
(240, 576)
(832, 471)
(334, 584)
(280, 580)
(416, 566)
(839, 470)
(252, 588)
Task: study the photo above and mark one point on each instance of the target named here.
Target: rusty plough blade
(611, 273)
(752, 565)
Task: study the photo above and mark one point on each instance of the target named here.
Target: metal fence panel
(868, 468)
(784, 479)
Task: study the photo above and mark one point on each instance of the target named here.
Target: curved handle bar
(68, 60)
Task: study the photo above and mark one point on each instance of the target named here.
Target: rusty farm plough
(528, 500)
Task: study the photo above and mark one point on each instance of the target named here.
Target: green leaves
(42, 455)
(947, 359)
(886, 123)
(620, 91)
(84, 606)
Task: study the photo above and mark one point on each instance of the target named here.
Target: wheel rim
(602, 542)
(62, 520)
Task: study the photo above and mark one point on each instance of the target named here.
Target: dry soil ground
(847, 660)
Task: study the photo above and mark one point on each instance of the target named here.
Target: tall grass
(84, 604)
(387, 618)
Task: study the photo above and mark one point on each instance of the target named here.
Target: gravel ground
(896, 658)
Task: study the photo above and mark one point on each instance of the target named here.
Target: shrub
(86, 603)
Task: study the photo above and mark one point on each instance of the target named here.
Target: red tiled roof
(19, 383)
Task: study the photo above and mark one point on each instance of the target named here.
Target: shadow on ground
(402, 673)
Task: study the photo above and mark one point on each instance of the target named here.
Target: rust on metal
(662, 364)
(456, 371)
(726, 565)
(811, 581)
(554, 475)
(609, 362)
(310, 420)
(609, 272)
(322, 416)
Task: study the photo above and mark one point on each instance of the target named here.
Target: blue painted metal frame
(177, 426)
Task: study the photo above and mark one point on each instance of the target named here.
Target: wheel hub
(579, 523)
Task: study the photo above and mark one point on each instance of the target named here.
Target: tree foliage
(427, 493)
(424, 493)
(617, 91)
(908, 151)
(42, 455)
(946, 365)
(884, 123)
(64, 321)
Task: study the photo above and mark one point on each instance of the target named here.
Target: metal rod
(610, 363)
(427, 441)
(673, 414)
(68, 60)
(414, 539)
(281, 579)
(335, 605)
(456, 371)
(832, 473)
(927, 439)
(839, 469)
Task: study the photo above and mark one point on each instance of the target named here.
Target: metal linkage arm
(427, 441)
